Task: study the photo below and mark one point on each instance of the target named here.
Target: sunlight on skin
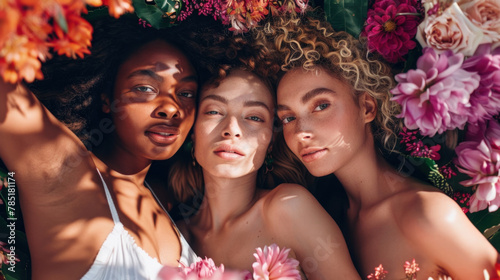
(288, 197)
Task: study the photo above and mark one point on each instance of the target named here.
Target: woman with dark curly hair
(91, 214)
(229, 177)
(334, 103)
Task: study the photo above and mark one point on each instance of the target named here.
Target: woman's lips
(311, 154)
(228, 152)
(162, 135)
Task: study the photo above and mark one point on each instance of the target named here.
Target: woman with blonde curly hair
(334, 103)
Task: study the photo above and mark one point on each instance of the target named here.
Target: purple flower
(435, 96)
(390, 29)
(485, 100)
(481, 161)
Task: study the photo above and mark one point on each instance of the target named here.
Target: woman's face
(153, 105)
(323, 124)
(233, 129)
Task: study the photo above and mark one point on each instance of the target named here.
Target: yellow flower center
(389, 26)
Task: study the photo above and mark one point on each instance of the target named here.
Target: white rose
(451, 30)
(486, 15)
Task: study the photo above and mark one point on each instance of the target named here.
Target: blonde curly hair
(310, 43)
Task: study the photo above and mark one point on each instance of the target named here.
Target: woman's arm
(300, 221)
(45, 154)
(56, 182)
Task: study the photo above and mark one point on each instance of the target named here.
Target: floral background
(445, 55)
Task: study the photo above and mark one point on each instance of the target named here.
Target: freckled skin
(392, 218)
(237, 216)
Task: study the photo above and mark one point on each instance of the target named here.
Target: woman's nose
(167, 109)
(232, 129)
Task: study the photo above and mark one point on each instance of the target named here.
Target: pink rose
(451, 30)
(486, 15)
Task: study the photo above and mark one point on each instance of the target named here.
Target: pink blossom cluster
(271, 263)
(391, 26)
(479, 157)
(445, 92)
(463, 199)
(416, 147)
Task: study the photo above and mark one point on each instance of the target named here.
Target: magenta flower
(481, 161)
(273, 264)
(390, 29)
(435, 96)
(418, 149)
(485, 100)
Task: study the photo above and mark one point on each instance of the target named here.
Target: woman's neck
(120, 163)
(225, 200)
(368, 178)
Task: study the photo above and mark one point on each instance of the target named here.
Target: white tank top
(120, 258)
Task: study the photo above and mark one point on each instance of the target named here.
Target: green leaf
(61, 20)
(429, 168)
(489, 224)
(346, 15)
(162, 14)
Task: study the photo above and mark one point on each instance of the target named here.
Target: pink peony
(485, 14)
(390, 29)
(485, 100)
(451, 30)
(271, 263)
(203, 269)
(435, 96)
(481, 161)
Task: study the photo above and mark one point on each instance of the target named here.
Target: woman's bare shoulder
(286, 197)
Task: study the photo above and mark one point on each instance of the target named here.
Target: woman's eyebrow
(216, 98)
(308, 96)
(315, 92)
(146, 72)
(253, 103)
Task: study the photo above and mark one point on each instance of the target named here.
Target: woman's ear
(368, 106)
(106, 103)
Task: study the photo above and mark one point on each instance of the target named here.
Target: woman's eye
(286, 120)
(255, 118)
(321, 107)
(212, 113)
(144, 89)
(186, 94)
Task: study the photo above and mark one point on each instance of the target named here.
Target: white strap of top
(158, 201)
(112, 207)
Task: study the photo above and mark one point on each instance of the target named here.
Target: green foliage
(489, 224)
(346, 15)
(161, 14)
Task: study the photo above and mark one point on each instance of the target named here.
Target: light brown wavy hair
(309, 42)
(219, 54)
